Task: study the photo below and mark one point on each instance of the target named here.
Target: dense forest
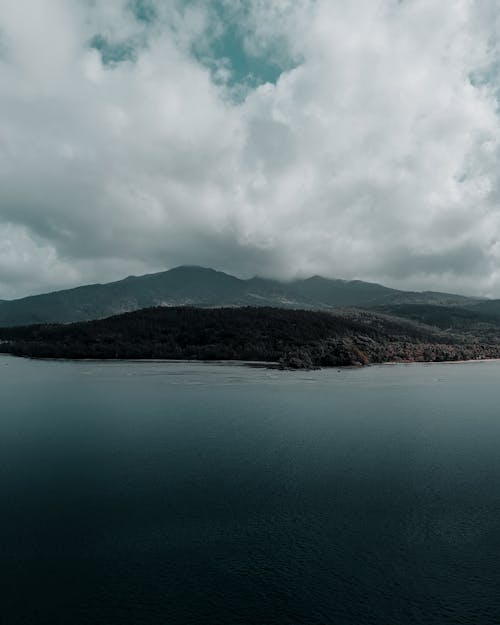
(289, 338)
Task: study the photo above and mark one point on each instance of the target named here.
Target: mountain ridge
(205, 287)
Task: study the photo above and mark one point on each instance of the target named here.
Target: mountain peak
(193, 268)
(321, 279)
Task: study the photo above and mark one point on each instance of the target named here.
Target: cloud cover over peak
(358, 140)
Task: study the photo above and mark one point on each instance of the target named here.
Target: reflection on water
(139, 492)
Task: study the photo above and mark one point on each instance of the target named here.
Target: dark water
(156, 493)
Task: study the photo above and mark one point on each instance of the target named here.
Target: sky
(354, 139)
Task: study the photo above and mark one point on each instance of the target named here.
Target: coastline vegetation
(293, 338)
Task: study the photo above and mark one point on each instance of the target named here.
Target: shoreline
(260, 364)
(432, 362)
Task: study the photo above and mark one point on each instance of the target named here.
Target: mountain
(207, 288)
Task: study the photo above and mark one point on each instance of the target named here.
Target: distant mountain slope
(466, 318)
(489, 308)
(198, 286)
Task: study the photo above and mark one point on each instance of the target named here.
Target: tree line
(290, 338)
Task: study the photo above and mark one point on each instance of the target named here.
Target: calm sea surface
(170, 493)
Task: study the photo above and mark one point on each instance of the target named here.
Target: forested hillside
(293, 338)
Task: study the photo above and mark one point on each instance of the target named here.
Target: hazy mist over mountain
(282, 139)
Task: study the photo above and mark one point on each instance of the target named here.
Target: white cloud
(375, 157)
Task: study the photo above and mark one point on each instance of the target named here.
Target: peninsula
(291, 338)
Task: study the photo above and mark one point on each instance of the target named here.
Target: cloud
(355, 140)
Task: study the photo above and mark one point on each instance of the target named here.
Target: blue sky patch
(113, 53)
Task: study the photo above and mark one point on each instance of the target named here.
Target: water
(170, 493)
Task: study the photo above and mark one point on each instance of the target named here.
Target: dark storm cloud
(462, 260)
